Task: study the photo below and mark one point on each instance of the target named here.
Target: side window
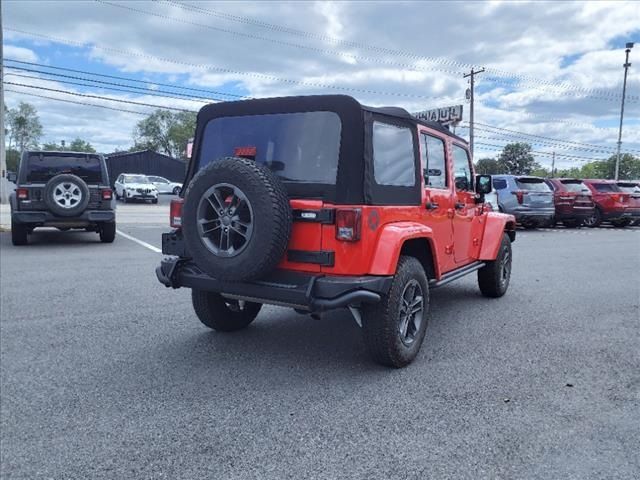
(119, 180)
(393, 156)
(435, 172)
(499, 183)
(462, 169)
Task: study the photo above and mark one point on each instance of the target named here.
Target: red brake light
(107, 194)
(22, 193)
(245, 152)
(348, 221)
(175, 213)
(520, 195)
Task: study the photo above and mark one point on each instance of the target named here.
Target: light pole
(626, 66)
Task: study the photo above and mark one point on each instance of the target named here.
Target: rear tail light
(107, 194)
(22, 193)
(520, 195)
(175, 213)
(249, 152)
(348, 221)
(570, 197)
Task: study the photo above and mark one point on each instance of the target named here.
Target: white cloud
(19, 53)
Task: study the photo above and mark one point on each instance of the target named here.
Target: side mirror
(483, 184)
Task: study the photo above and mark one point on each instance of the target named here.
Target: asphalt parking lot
(105, 373)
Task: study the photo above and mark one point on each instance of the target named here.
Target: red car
(573, 201)
(632, 188)
(612, 204)
(319, 203)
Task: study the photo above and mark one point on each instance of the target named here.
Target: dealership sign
(445, 115)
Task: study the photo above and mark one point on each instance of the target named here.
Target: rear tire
(621, 223)
(494, 277)
(221, 314)
(107, 232)
(393, 329)
(176, 191)
(154, 201)
(19, 233)
(595, 220)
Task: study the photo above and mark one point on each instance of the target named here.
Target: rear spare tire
(66, 195)
(236, 219)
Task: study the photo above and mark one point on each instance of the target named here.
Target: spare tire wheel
(66, 195)
(236, 219)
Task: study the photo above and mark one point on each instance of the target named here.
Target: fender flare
(389, 244)
(496, 225)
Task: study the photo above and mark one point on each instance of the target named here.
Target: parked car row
(131, 186)
(536, 201)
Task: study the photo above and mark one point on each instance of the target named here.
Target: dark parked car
(527, 198)
(64, 190)
(612, 204)
(573, 201)
(633, 189)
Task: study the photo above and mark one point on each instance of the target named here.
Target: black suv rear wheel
(107, 232)
(395, 328)
(221, 314)
(19, 233)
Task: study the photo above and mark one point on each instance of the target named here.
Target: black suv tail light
(22, 193)
(348, 221)
(175, 213)
(107, 194)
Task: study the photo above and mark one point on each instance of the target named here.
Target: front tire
(19, 233)
(621, 223)
(494, 277)
(176, 191)
(221, 314)
(395, 328)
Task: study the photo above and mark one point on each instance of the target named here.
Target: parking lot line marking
(139, 242)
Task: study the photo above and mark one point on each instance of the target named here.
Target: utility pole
(553, 164)
(624, 91)
(472, 74)
(4, 187)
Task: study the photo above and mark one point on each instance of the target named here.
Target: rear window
(298, 147)
(606, 187)
(629, 187)
(43, 167)
(532, 184)
(574, 185)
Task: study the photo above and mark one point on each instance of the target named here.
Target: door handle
(431, 205)
(460, 205)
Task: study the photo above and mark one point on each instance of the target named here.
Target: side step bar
(456, 274)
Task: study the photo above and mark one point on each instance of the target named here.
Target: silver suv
(527, 198)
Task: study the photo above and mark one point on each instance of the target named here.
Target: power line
(115, 77)
(591, 159)
(556, 140)
(76, 103)
(124, 90)
(545, 144)
(213, 68)
(522, 78)
(164, 107)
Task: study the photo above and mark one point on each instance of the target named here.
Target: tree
(516, 159)
(166, 132)
(24, 128)
(77, 145)
(487, 166)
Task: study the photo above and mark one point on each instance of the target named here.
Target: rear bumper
(617, 214)
(312, 292)
(578, 213)
(524, 214)
(46, 219)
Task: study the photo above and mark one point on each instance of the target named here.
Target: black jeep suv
(64, 190)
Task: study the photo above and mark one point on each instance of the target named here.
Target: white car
(165, 186)
(130, 186)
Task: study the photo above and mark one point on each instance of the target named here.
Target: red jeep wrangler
(318, 203)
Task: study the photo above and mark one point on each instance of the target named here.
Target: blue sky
(554, 71)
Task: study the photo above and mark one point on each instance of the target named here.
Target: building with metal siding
(146, 162)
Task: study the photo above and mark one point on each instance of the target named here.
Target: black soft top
(354, 183)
